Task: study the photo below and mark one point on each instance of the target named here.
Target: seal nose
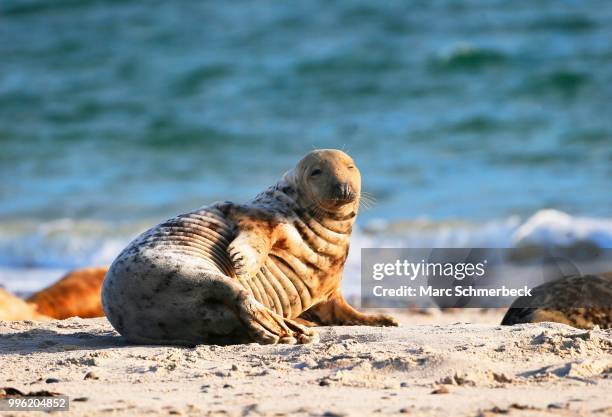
(342, 191)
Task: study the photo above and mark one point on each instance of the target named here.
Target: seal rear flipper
(337, 312)
(305, 321)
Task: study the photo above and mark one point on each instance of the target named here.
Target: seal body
(264, 271)
(579, 301)
(75, 294)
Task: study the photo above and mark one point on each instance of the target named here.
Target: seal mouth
(344, 200)
(335, 203)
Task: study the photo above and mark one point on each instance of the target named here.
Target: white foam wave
(553, 227)
(64, 243)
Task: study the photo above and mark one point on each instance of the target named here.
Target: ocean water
(468, 119)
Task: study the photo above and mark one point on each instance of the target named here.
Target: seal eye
(315, 172)
(350, 167)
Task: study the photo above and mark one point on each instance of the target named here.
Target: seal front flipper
(248, 252)
(267, 327)
(254, 239)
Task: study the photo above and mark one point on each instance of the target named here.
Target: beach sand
(437, 364)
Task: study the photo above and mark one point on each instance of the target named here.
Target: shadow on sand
(45, 340)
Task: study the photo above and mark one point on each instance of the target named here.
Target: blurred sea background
(474, 123)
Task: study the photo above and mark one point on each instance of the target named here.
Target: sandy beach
(436, 364)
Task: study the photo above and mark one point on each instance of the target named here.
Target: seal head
(328, 180)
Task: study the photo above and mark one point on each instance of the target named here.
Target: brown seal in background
(77, 293)
(14, 308)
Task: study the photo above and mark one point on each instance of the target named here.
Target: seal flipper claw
(267, 327)
(303, 333)
(288, 340)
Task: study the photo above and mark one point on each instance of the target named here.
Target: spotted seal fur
(582, 301)
(264, 271)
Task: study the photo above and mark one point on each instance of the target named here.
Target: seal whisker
(365, 204)
(368, 195)
(369, 198)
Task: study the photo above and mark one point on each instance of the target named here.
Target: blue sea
(473, 122)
